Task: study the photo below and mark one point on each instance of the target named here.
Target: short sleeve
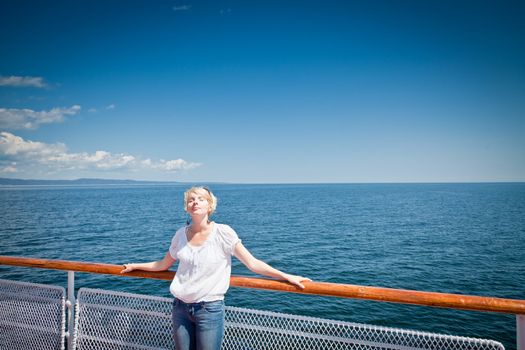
(175, 242)
(228, 238)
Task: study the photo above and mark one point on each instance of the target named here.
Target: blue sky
(263, 91)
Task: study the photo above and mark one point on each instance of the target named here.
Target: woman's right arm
(159, 265)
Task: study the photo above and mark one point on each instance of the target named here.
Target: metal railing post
(70, 308)
(520, 332)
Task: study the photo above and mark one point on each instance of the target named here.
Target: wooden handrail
(444, 300)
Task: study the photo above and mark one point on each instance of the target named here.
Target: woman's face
(197, 204)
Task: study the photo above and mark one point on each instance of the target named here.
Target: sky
(263, 91)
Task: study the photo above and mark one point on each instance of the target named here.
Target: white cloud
(18, 81)
(55, 157)
(177, 164)
(16, 147)
(11, 168)
(111, 106)
(12, 118)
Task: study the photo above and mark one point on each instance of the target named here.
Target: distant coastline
(80, 182)
(101, 182)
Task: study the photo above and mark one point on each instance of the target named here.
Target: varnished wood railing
(444, 300)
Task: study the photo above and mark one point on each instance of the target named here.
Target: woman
(204, 249)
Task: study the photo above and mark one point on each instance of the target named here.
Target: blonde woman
(204, 249)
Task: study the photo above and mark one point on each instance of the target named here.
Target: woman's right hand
(127, 268)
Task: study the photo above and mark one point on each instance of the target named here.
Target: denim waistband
(177, 301)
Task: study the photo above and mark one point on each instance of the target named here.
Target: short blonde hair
(206, 193)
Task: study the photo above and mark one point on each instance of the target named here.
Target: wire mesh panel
(32, 316)
(115, 320)
(258, 330)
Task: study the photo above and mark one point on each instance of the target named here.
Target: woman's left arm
(262, 268)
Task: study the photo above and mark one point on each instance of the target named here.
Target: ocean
(453, 238)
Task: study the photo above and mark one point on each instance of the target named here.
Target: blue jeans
(198, 326)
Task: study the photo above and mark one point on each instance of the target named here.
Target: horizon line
(131, 181)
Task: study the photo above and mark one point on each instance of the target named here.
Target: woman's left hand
(296, 280)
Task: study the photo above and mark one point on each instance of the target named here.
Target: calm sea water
(457, 238)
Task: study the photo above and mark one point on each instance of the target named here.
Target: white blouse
(204, 272)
